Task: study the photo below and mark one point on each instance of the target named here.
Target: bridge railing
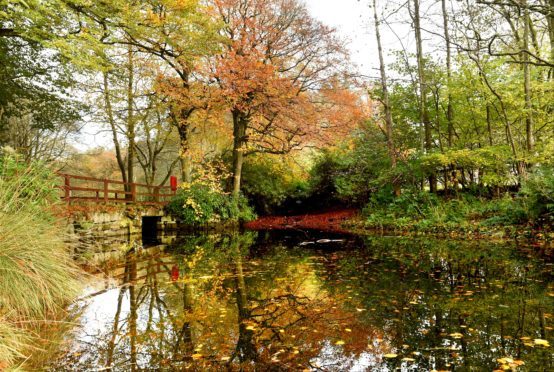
(96, 190)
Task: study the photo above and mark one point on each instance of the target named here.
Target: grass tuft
(38, 276)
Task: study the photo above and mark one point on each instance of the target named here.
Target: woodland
(260, 110)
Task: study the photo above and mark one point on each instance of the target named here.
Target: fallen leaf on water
(408, 359)
(390, 356)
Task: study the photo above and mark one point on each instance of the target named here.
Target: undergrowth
(424, 212)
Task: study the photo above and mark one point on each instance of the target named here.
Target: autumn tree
(178, 33)
(276, 61)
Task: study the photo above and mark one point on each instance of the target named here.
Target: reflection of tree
(289, 308)
(245, 349)
(115, 329)
(457, 304)
(184, 345)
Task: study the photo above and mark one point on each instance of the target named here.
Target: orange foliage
(281, 71)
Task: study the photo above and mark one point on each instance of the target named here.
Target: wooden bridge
(82, 189)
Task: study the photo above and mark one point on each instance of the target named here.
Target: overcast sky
(351, 18)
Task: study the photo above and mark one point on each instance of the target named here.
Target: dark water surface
(268, 301)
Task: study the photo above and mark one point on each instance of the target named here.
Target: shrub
(38, 274)
(269, 181)
(199, 204)
(538, 190)
(345, 176)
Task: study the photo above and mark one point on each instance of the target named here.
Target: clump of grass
(35, 267)
(14, 340)
(38, 276)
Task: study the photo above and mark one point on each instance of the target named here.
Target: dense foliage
(199, 204)
(271, 182)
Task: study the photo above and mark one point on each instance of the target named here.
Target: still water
(311, 301)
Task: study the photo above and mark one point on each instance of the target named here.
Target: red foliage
(331, 221)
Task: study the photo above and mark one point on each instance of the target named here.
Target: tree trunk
(239, 141)
(186, 162)
(130, 122)
(186, 168)
(550, 21)
(489, 125)
(449, 113)
(386, 101)
(423, 110)
(111, 121)
(530, 140)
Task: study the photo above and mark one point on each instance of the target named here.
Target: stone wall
(119, 222)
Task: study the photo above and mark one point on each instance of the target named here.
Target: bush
(346, 175)
(200, 204)
(38, 274)
(538, 190)
(270, 181)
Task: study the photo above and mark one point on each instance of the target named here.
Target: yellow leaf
(541, 342)
(348, 330)
(197, 356)
(390, 356)
(504, 360)
(408, 359)
(456, 335)
(340, 342)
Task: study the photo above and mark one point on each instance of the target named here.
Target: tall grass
(37, 274)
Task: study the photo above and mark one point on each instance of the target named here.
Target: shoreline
(350, 221)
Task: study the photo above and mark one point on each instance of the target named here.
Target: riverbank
(330, 221)
(360, 223)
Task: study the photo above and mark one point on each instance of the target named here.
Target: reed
(38, 275)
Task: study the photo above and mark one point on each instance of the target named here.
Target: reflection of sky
(99, 313)
(333, 356)
(96, 324)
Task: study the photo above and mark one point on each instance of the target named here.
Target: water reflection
(258, 302)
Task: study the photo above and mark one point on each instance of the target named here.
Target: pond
(314, 301)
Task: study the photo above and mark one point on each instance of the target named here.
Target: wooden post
(173, 183)
(156, 193)
(67, 195)
(133, 192)
(105, 191)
